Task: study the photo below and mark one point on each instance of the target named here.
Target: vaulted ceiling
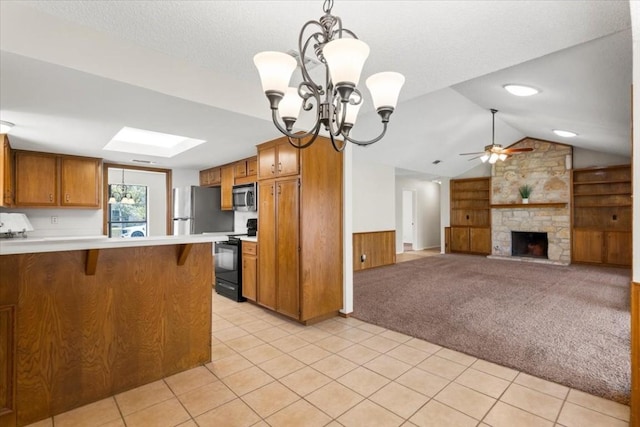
(72, 73)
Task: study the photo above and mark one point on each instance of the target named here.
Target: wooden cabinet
(470, 216)
(602, 215)
(245, 171)
(279, 276)
(300, 259)
(210, 177)
(226, 185)
(6, 173)
(278, 159)
(8, 352)
(249, 270)
(49, 180)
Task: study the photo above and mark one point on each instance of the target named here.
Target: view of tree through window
(127, 219)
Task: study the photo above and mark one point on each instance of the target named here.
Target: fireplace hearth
(529, 244)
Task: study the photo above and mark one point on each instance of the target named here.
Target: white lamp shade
(345, 59)
(385, 88)
(275, 70)
(291, 104)
(493, 158)
(484, 158)
(502, 157)
(352, 113)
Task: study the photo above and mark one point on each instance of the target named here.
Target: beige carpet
(569, 324)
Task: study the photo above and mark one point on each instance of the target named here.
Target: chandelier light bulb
(291, 104)
(345, 59)
(385, 88)
(275, 69)
(352, 113)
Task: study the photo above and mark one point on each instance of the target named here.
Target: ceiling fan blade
(516, 150)
(473, 158)
(471, 154)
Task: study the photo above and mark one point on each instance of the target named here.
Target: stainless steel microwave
(245, 197)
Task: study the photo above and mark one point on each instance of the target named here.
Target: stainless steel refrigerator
(197, 210)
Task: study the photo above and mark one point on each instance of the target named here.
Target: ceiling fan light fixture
(520, 90)
(493, 158)
(484, 158)
(502, 157)
(565, 133)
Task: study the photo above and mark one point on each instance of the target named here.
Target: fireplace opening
(529, 244)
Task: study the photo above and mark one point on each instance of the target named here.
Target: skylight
(150, 143)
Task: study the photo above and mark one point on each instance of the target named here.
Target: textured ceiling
(175, 63)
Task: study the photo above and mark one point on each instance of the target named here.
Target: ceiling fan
(494, 152)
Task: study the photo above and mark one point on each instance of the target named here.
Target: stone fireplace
(548, 210)
(527, 244)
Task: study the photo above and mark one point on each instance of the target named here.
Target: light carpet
(566, 324)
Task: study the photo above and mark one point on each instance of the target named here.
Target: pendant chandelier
(337, 102)
(126, 199)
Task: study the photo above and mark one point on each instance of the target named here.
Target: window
(127, 211)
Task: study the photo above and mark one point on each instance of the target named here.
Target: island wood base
(70, 338)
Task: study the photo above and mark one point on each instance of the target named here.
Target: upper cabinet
(246, 170)
(49, 180)
(6, 173)
(210, 177)
(226, 193)
(278, 159)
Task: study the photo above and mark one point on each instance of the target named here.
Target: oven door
(227, 262)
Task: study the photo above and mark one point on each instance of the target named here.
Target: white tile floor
(269, 371)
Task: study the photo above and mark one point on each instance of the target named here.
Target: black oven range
(227, 268)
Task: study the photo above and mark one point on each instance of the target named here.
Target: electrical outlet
(54, 220)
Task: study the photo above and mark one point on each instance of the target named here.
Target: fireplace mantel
(549, 205)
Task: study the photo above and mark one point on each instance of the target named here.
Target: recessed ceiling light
(150, 143)
(520, 90)
(565, 133)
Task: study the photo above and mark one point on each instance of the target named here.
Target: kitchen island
(83, 319)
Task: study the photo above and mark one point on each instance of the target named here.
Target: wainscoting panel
(373, 249)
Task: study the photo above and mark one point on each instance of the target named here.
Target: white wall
(407, 216)
(445, 208)
(374, 201)
(588, 158)
(427, 208)
(184, 177)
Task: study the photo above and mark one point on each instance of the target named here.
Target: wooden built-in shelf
(528, 205)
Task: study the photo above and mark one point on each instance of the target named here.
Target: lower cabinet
(470, 239)
(7, 365)
(249, 270)
(602, 247)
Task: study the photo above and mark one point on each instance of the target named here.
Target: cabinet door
(249, 276)
(215, 176)
(227, 188)
(80, 182)
(252, 166)
(480, 240)
(267, 247)
(288, 160)
(36, 179)
(267, 163)
(287, 243)
(588, 246)
(240, 169)
(618, 248)
(459, 239)
(6, 174)
(7, 365)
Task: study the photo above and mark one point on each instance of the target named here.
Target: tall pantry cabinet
(300, 229)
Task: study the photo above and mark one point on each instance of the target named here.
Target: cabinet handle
(272, 190)
(279, 189)
(273, 168)
(279, 166)
(67, 197)
(50, 197)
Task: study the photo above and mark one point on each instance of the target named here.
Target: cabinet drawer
(249, 248)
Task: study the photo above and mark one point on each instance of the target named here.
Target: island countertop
(28, 245)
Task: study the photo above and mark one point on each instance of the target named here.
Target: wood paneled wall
(378, 248)
(81, 338)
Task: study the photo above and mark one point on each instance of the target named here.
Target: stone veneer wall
(544, 169)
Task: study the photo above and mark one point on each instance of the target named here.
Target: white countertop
(27, 245)
(249, 239)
